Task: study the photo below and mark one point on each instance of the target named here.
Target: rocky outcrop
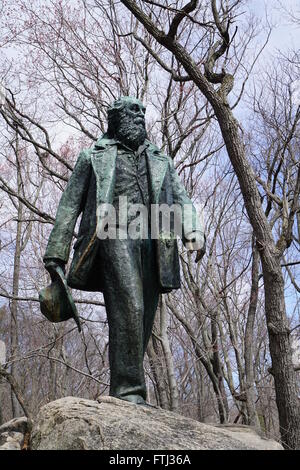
(12, 434)
(76, 423)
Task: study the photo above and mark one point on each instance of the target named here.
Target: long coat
(91, 184)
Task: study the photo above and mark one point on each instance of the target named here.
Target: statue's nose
(140, 115)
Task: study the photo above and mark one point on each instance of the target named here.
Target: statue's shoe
(137, 400)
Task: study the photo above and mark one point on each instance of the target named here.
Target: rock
(16, 424)
(251, 436)
(10, 440)
(112, 424)
(12, 434)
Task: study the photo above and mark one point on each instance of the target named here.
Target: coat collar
(103, 160)
(104, 141)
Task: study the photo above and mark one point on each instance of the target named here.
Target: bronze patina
(131, 273)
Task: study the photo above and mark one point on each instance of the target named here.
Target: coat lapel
(103, 160)
(104, 165)
(157, 165)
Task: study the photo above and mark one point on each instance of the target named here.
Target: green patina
(130, 273)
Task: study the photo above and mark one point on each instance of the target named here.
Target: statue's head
(126, 121)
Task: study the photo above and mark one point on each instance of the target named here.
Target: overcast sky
(285, 35)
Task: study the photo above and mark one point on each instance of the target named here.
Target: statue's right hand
(51, 264)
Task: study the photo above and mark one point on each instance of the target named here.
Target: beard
(131, 132)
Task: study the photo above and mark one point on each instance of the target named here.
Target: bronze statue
(131, 272)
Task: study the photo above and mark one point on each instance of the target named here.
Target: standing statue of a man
(130, 271)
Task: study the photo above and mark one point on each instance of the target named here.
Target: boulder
(12, 434)
(11, 440)
(110, 424)
(16, 425)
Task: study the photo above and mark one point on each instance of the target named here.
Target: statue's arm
(69, 208)
(192, 225)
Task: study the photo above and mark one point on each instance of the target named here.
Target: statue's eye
(134, 107)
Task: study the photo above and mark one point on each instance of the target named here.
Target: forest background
(221, 83)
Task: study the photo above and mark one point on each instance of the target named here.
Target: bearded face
(129, 123)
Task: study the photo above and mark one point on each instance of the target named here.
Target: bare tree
(270, 248)
(208, 357)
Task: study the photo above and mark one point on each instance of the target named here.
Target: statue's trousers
(131, 295)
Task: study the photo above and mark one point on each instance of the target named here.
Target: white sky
(285, 34)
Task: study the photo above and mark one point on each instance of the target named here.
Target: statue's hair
(114, 113)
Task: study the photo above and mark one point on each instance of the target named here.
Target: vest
(131, 181)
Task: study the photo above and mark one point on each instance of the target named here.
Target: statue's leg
(150, 288)
(123, 294)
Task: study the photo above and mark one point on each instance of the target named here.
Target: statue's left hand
(197, 244)
(200, 253)
(51, 264)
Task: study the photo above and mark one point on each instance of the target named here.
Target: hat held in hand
(56, 301)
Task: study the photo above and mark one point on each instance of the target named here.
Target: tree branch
(188, 8)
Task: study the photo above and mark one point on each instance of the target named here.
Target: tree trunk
(217, 369)
(157, 371)
(168, 356)
(279, 338)
(280, 348)
(200, 392)
(14, 347)
(252, 418)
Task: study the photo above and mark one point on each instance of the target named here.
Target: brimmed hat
(56, 301)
